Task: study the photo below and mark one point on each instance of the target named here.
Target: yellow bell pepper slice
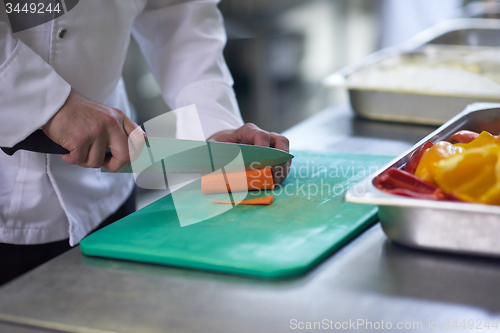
(492, 197)
(472, 174)
(482, 140)
(426, 169)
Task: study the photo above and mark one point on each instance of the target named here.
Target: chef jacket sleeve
(183, 43)
(31, 92)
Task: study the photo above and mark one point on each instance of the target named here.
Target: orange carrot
(257, 201)
(218, 182)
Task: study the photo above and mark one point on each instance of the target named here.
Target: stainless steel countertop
(370, 279)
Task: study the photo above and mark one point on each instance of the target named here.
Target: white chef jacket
(44, 199)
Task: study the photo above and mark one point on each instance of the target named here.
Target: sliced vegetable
(415, 158)
(463, 137)
(492, 197)
(400, 182)
(482, 140)
(257, 201)
(467, 171)
(453, 197)
(472, 175)
(426, 169)
(218, 182)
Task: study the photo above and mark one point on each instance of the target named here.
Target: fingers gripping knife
(189, 159)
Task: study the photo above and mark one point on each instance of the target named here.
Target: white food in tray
(434, 69)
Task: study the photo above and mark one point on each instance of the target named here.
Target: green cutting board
(307, 221)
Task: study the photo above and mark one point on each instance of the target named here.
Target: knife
(174, 156)
(37, 142)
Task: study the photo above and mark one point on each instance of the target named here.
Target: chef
(60, 70)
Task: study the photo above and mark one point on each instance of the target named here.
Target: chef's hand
(86, 128)
(250, 134)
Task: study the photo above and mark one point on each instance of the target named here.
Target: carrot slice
(218, 182)
(257, 201)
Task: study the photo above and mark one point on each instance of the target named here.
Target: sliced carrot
(257, 201)
(219, 182)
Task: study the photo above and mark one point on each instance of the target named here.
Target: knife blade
(176, 156)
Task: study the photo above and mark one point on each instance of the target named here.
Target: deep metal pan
(418, 106)
(436, 225)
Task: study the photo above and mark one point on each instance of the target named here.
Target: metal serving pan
(438, 225)
(416, 106)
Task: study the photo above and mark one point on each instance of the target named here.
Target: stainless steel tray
(436, 225)
(418, 107)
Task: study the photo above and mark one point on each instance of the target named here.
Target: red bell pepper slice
(415, 158)
(464, 137)
(453, 197)
(400, 182)
(396, 178)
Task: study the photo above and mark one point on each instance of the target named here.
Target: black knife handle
(37, 142)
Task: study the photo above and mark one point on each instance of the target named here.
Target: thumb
(136, 138)
(129, 126)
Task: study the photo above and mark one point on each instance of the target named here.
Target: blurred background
(279, 50)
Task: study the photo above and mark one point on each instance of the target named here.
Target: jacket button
(62, 33)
